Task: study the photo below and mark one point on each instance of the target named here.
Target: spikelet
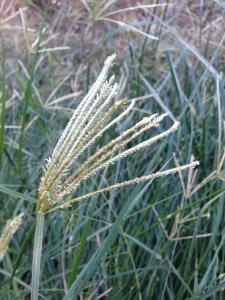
(7, 234)
(66, 171)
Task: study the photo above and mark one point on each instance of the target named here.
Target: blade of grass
(28, 95)
(217, 288)
(175, 80)
(20, 282)
(219, 108)
(24, 246)
(3, 111)
(77, 257)
(12, 193)
(25, 105)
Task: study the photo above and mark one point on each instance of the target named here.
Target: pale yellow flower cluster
(7, 234)
(93, 117)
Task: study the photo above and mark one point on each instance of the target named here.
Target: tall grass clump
(70, 166)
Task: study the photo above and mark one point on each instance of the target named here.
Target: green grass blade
(175, 80)
(217, 288)
(24, 246)
(3, 112)
(24, 117)
(77, 256)
(12, 193)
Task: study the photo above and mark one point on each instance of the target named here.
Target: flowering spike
(7, 234)
(69, 166)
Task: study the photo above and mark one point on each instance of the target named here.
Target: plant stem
(37, 256)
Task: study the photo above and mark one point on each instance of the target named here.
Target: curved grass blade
(24, 246)
(12, 193)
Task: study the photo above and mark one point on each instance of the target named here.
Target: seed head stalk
(38, 238)
(69, 166)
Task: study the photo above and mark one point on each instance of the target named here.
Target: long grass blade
(3, 112)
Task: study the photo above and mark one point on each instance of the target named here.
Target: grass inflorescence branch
(95, 114)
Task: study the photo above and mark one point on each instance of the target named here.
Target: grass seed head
(7, 234)
(91, 119)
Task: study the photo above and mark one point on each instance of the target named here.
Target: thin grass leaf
(24, 246)
(14, 194)
(3, 111)
(175, 80)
